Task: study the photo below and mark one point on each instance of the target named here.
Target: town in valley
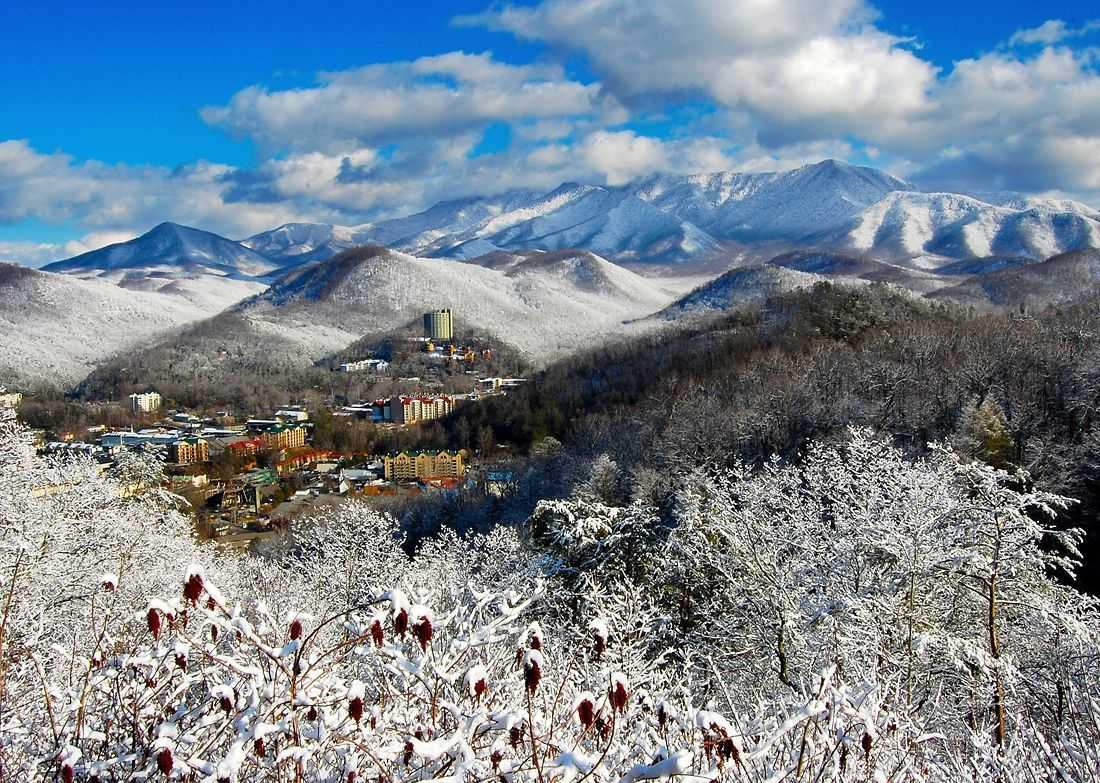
(246, 476)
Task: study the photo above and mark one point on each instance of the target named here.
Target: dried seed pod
(586, 713)
(376, 633)
(423, 632)
(617, 694)
(532, 670)
(192, 588)
(296, 629)
(152, 617)
(164, 761)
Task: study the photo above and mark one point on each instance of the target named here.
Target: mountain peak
(172, 249)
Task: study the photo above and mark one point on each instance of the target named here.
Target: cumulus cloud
(53, 187)
(37, 254)
(384, 103)
(806, 69)
(29, 253)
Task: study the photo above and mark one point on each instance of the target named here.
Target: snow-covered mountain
(788, 206)
(544, 304)
(736, 288)
(54, 328)
(299, 243)
(1056, 280)
(933, 229)
(175, 247)
(695, 218)
(206, 270)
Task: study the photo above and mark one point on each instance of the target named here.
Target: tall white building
(144, 403)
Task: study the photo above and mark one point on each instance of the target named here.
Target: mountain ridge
(663, 219)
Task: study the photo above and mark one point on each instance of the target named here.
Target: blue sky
(238, 116)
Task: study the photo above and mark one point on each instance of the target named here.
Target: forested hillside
(1017, 391)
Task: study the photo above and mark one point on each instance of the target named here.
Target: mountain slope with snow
(937, 228)
(54, 328)
(171, 246)
(202, 269)
(785, 206)
(544, 304)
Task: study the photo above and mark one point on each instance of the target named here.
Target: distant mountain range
(551, 272)
(664, 219)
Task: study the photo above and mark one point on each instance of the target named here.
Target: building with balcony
(283, 436)
(408, 410)
(144, 403)
(188, 450)
(414, 465)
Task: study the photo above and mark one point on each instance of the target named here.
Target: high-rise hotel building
(439, 326)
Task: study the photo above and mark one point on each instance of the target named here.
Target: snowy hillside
(301, 242)
(787, 206)
(544, 304)
(736, 288)
(55, 328)
(934, 228)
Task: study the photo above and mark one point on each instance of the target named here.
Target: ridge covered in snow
(663, 219)
(55, 328)
(545, 304)
(688, 218)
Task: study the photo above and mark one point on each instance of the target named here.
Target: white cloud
(52, 187)
(37, 254)
(808, 69)
(623, 156)
(29, 253)
(94, 241)
(1050, 32)
(384, 103)
(791, 72)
